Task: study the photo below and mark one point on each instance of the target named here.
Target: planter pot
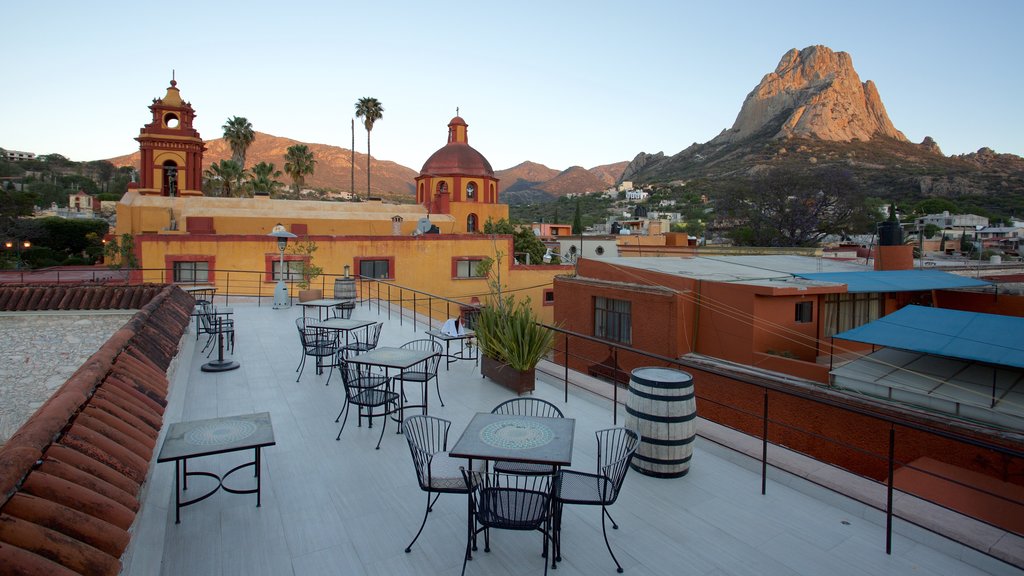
(311, 294)
(518, 381)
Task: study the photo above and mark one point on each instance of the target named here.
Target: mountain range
(812, 111)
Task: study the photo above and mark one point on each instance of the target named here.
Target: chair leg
(383, 425)
(424, 523)
(302, 366)
(437, 384)
(609, 515)
(345, 410)
(618, 567)
(343, 407)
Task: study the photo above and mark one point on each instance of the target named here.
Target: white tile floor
(341, 507)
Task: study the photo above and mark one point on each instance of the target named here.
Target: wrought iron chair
(370, 393)
(509, 502)
(437, 472)
(615, 450)
(425, 371)
(319, 343)
(213, 324)
(343, 310)
(526, 407)
(363, 342)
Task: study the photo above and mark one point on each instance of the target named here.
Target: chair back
(427, 345)
(528, 407)
(509, 501)
(373, 335)
(615, 450)
(427, 435)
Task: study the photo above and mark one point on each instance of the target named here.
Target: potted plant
(306, 248)
(510, 339)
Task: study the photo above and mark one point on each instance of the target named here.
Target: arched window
(471, 191)
(471, 223)
(170, 178)
(442, 187)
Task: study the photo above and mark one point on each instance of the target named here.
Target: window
(375, 268)
(847, 311)
(471, 223)
(470, 190)
(292, 270)
(613, 319)
(549, 296)
(804, 312)
(191, 271)
(467, 268)
(599, 250)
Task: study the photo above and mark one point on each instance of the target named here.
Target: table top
(216, 436)
(391, 357)
(341, 324)
(199, 288)
(528, 439)
(442, 336)
(324, 302)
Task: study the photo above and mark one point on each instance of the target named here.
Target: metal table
(198, 438)
(464, 353)
(344, 325)
(400, 359)
(321, 305)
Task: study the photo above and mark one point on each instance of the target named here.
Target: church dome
(457, 156)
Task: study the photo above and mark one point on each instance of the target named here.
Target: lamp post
(18, 246)
(281, 289)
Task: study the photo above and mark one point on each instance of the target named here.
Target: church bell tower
(172, 151)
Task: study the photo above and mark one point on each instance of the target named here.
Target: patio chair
(509, 502)
(437, 472)
(425, 371)
(343, 310)
(526, 407)
(615, 450)
(213, 325)
(319, 343)
(363, 342)
(370, 393)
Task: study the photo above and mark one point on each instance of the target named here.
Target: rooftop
(331, 507)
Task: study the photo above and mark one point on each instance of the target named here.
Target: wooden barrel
(345, 288)
(661, 407)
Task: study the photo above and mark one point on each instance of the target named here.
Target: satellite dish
(423, 226)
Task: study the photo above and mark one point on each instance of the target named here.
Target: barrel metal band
(650, 396)
(661, 383)
(668, 441)
(661, 461)
(665, 419)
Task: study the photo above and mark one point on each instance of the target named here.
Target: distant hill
(531, 182)
(333, 166)
(813, 111)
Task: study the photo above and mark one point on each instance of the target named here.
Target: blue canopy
(895, 280)
(989, 338)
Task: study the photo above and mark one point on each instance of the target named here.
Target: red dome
(457, 158)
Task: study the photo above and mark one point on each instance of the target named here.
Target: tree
(524, 241)
(782, 207)
(936, 206)
(239, 135)
(263, 179)
(299, 163)
(577, 221)
(226, 176)
(370, 110)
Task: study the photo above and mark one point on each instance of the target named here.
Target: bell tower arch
(171, 149)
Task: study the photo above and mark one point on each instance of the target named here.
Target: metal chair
(319, 343)
(526, 407)
(615, 450)
(343, 310)
(509, 502)
(425, 371)
(364, 342)
(371, 393)
(437, 472)
(213, 324)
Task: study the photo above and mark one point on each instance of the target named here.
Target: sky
(559, 82)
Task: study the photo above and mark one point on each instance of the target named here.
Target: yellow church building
(180, 235)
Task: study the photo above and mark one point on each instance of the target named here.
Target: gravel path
(40, 351)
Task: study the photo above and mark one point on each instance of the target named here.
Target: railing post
(227, 288)
(764, 445)
(566, 377)
(259, 292)
(615, 386)
(889, 487)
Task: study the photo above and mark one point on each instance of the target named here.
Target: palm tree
(226, 175)
(263, 179)
(298, 163)
(239, 135)
(370, 110)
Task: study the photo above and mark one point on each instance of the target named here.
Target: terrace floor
(341, 507)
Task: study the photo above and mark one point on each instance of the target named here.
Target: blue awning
(989, 338)
(896, 280)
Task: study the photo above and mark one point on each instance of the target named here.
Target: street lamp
(18, 245)
(281, 290)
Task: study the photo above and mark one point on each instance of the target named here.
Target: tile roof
(70, 478)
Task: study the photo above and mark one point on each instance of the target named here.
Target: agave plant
(507, 330)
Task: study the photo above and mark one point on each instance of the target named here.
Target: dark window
(467, 269)
(613, 319)
(549, 297)
(192, 271)
(374, 269)
(804, 312)
(471, 223)
(293, 270)
(848, 311)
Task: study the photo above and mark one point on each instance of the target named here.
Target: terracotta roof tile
(89, 464)
(86, 480)
(107, 451)
(89, 529)
(64, 550)
(19, 562)
(82, 499)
